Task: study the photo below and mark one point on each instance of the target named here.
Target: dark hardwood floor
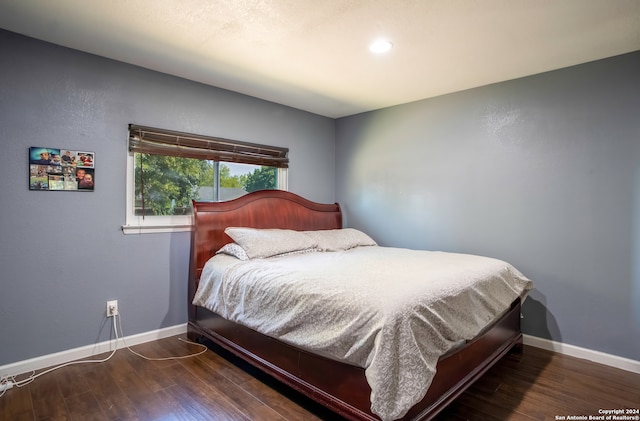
(534, 385)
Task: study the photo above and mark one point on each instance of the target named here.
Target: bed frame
(340, 387)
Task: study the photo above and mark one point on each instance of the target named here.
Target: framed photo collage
(61, 169)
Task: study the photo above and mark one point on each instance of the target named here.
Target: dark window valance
(150, 140)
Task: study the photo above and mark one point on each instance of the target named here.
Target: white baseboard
(62, 357)
(584, 353)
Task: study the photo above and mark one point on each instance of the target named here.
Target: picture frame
(58, 169)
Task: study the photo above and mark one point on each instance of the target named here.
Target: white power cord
(8, 382)
(204, 348)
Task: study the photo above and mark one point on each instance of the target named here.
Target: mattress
(391, 311)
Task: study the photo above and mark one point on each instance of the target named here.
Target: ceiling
(313, 54)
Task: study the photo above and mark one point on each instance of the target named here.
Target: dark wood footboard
(343, 388)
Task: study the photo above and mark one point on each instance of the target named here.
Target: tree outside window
(165, 185)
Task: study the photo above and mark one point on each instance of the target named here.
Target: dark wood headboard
(260, 209)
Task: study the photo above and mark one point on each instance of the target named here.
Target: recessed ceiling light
(380, 46)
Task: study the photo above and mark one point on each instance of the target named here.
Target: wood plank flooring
(535, 385)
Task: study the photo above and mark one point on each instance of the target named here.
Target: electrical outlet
(112, 308)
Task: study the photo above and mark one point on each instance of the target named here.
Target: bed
(338, 384)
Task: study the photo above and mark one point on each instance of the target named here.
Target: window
(167, 169)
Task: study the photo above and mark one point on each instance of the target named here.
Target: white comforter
(392, 311)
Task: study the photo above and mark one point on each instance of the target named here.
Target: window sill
(155, 229)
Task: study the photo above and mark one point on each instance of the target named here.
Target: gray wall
(543, 172)
(63, 253)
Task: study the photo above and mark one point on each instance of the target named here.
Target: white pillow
(262, 243)
(340, 239)
(234, 250)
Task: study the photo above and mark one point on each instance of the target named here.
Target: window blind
(151, 140)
